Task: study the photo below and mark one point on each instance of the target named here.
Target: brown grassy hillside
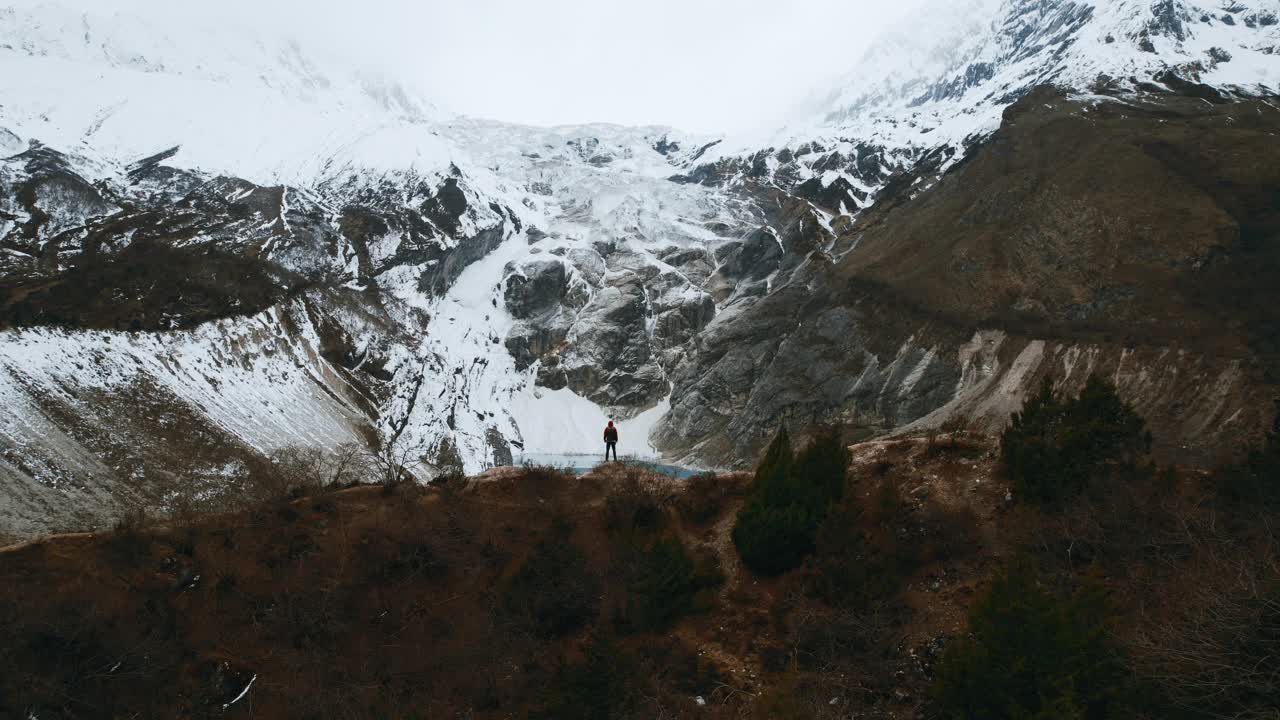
(528, 592)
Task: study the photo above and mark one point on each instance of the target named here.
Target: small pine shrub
(776, 464)
(1103, 426)
(772, 540)
(1030, 654)
(842, 566)
(863, 555)
(1055, 446)
(775, 530)
(817, 477)
(859, 557)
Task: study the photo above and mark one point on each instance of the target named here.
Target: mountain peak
(982, 54)
(223, 92)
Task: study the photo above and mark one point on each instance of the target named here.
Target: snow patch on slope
(251, 377)
(236, 103)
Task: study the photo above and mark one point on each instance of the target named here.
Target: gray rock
(551, 374)
(589, 264)
(535, 288)
(500, 447)
(611, 358)
(529, 342)
(755, 257)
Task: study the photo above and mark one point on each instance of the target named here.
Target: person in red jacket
(610, 441)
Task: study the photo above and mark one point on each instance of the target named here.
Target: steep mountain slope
(1133, 237)
(1121, 225)
(939, 85)
(237, 102)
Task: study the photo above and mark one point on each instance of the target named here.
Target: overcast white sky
(701, 65)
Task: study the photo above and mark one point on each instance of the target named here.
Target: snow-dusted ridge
(117, 86)
(942, 82)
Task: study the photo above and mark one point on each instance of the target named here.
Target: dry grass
(437, 602)
(330, 599)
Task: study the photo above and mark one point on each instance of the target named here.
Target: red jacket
(611, 434)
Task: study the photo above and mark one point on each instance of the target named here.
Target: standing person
(610, 441)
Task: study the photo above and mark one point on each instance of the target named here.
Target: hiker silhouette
(610, 441)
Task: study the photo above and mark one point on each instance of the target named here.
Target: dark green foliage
(865, 552)
(773, 540)
(1030, 654)
(1054, 447)
(1256, 480)
(662, 585)
(816, 478)
(555, 592)
(1103, 426)
(1029, 448)
(593, 689)
(844, 566)
(775, 529)
(776, 464)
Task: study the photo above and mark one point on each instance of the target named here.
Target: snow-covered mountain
(940, 84)
(213, 244)
(469, 288)
(238, 102)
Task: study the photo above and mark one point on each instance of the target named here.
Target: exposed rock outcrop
(1133, 239)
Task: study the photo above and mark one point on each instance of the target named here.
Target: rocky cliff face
(445, 304)
(1135, 237)
(1055, 188)
(148, 246)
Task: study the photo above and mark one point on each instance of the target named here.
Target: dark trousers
(610, 446)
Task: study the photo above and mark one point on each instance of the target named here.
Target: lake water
(581, 463)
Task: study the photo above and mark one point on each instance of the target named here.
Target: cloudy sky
(702, 65)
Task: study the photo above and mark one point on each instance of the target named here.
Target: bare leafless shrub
(637, 502)
(704, 496)
(130, 538)
(315, 467)
(931, 442)
(295, 470)
(834, 640)
(395, 459)
(1213, 653)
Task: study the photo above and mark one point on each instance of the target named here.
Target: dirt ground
(367, 601)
